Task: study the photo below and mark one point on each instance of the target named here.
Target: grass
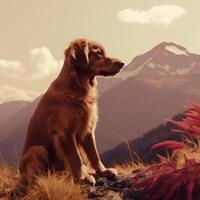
(55, 187)
(8, 178)
(130, 168)
(51, 187)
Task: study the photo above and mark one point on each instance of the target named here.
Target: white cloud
(11, 65)
(8, 93)
(162, 15)
(36, 74)
(42, 63)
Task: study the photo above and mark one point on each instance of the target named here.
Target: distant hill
(13, 131)
(9, 108)
(126, 152)
(135, 107)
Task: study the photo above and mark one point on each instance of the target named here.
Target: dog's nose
(119, 64)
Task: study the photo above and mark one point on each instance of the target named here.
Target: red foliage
(190, 125)
(166, 181)
(169, 144)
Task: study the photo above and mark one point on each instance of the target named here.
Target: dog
(65, 119)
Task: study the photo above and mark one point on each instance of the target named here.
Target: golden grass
(128, 168)
(51, 187)
(55, 187)
(192, 151)
(8, 178)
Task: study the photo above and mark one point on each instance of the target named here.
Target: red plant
(190, 125)
(169, 144)
(166, 180)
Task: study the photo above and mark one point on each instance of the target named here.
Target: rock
(119, 188)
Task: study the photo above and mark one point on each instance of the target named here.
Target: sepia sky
(34, 34)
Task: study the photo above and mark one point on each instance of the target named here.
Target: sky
(35, 33)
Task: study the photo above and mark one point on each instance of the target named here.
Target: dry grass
(192, 151)
(55, 187)
(8, 178)
(129, 168)
(51, 187)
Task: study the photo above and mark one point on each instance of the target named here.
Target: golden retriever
(66, 116)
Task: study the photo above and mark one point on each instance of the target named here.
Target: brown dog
(66, 117)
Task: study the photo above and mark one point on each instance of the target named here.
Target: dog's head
(90, 57)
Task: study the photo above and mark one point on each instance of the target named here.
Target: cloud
(42, 63)
(161, 15)
(8, 93)
(11, 66)
(34, 75)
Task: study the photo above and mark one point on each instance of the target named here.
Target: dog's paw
(109, 173)
(87, 179)
(15, 194)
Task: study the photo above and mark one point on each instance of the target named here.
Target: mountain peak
(165, 59)
(172, 47)
(164, 43)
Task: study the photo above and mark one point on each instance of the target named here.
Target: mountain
(165, 59)
(105, 83)
(13, 130)
(9, 108)
(135, 107)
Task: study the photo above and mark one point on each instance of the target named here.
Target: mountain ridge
(165, 59)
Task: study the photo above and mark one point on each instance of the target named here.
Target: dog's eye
(100, 52)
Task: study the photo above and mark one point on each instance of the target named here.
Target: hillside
(9, 108)
(13, 132)
(135, 107)
(126, 152)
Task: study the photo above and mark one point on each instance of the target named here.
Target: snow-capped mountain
(166, 59)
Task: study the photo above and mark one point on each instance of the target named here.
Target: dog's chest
(88, 112)
(93, 116)
(87, 116)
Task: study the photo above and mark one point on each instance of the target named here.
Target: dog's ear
(78, 55)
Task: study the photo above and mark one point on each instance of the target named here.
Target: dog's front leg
(89, 145)
(72, 156)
